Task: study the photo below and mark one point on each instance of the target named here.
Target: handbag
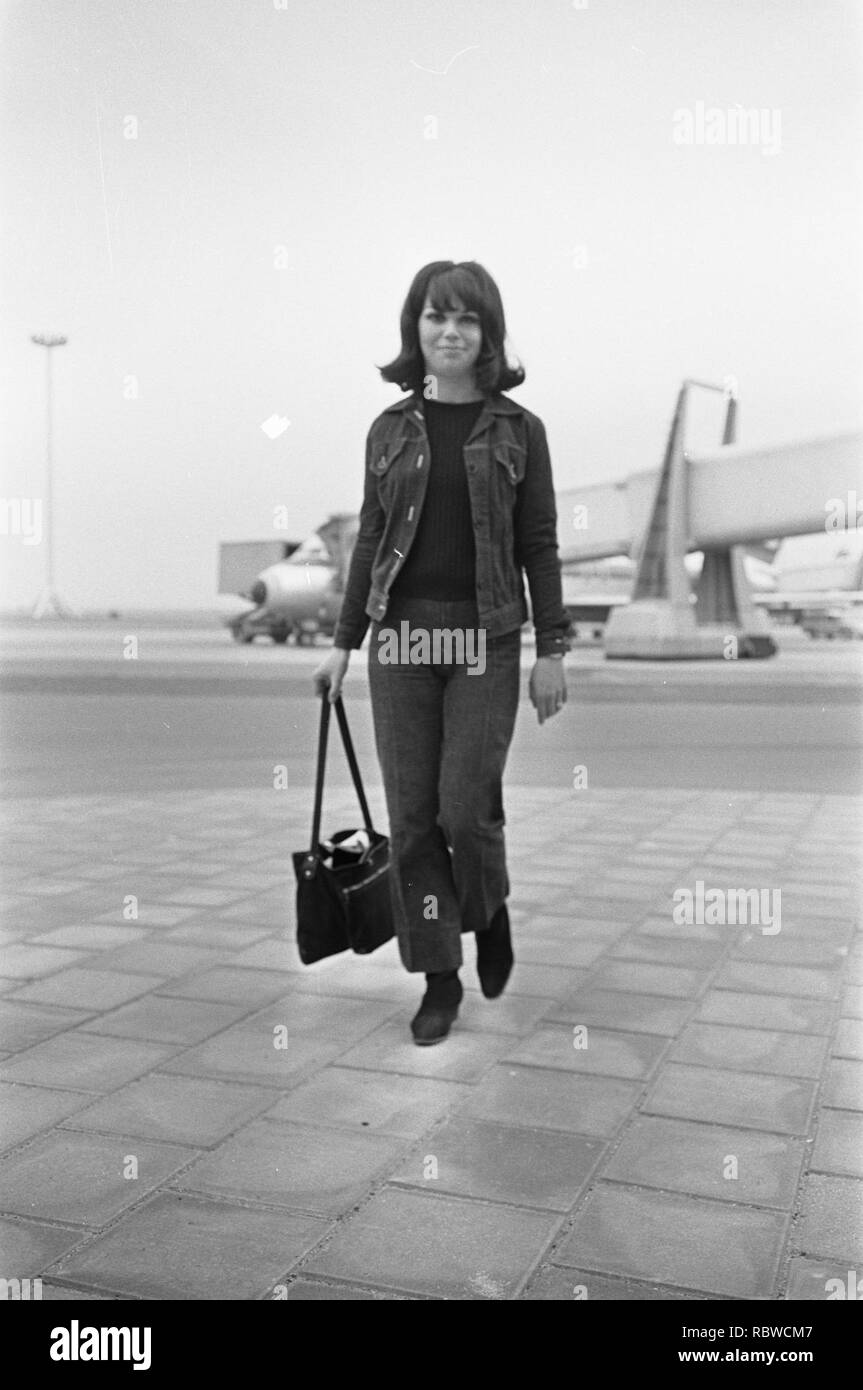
(343, 884)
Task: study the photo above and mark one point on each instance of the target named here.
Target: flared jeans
(444, 713)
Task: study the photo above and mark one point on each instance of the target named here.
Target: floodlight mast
(49, 603)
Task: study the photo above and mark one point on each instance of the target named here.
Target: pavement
(653, 1110)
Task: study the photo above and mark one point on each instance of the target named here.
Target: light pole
(48, 604)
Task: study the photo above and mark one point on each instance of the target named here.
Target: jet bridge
(715, 501)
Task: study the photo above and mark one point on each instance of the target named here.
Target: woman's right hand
(331, 672)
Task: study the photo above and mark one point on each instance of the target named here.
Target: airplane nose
(258, 592)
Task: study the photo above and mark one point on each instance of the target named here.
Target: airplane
(296, 595)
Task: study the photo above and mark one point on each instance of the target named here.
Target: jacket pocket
(512, 459)
(385, 456)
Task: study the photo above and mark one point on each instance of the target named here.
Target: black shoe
(494, 958)
(439, 1008)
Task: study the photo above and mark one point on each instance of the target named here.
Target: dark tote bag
(343, 884)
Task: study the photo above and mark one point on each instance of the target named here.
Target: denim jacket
(512, 508)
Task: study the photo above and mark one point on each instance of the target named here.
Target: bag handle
(353, 765)
(323, 732)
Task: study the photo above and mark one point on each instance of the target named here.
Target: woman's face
(450, 341)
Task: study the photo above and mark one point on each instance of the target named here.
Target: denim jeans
(442, 732)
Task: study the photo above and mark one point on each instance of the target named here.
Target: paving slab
(553, 1284)
(24, 1025)
(823, 1281)
(615, 910)
(687, 953)
(84, 988)
(820, 931)
(525, 1167)
(754, 978)
(314, 1290)
(540, 949)
(162, 956)
(464, 1057)
(443, 1247)
(157, 1018)
(785, 1013)
(50, 888)
(84, 1062)
(216, 934)
(732, 1165)
(59, 1293)
(544, 1098)
(751, 1049)
(544, 981)
(843, 1086)
(619, 1010)
(747, 1100)
(629, 1055)
(26, 1110)
(831, 1219)
(640, 977)
(202, 897)
(839, 1145)
(88, 937)
(245, 1052)
(26, 1247)
(511, 1013)
(154, 915)
(177, 1109)
(22, 961)
(711, 1247)
(79, 1178)
(573, 923)
(849, 1039)
(382, 1102)
(852, 1001)
(373, 980)
(281, 953)
(814, 906)
(183, 1247)
(307, 1168)
(230, 985)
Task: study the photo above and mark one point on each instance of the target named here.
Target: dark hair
(442, 282)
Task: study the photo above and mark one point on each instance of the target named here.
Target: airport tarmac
(192, 708)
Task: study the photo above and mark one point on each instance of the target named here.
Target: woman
(458, 503)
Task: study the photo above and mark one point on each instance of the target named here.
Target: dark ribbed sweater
(441, 563)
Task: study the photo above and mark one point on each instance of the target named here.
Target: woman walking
(458, 504)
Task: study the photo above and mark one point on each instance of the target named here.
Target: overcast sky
(222, 203)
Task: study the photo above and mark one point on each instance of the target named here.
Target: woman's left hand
(547, 687)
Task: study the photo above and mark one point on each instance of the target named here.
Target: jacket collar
(411, 409)
(496, 405)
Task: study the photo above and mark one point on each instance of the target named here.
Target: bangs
(456, 284)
